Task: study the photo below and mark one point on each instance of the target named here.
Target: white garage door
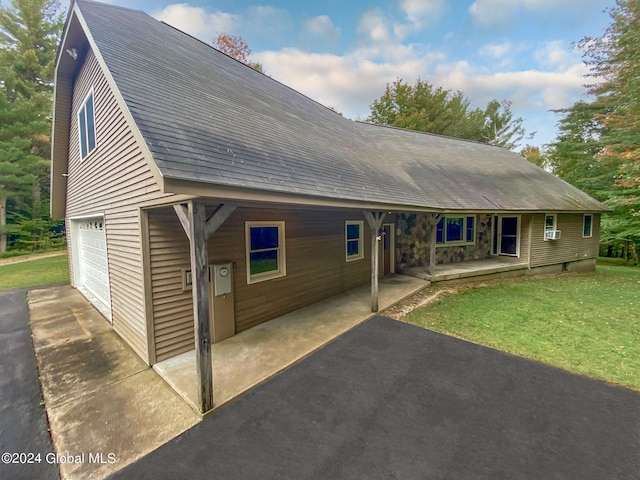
(94, 269)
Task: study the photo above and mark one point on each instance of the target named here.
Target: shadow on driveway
(391, 400)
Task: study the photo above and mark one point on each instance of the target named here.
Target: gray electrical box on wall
(222, 279)
(223, 323)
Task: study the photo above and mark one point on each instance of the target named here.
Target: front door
(506, 235)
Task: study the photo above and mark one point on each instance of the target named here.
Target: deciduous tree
(236, 47)
(427, 108)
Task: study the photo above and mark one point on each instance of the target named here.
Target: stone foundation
(413, 242)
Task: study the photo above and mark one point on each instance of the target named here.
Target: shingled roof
(208, 119)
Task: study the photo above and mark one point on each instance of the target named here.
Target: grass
(31, 273)
(585, 323)
(610, 261)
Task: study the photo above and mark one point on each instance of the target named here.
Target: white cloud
(527, 89)
(555, 55)
(321, 25)
(419, 11)
(492, 12)
(196, 21)
(270, 22)
(496, 50)
(501, 12)
(375, 28)
(349, 83)
(265, 21)
(320, 29)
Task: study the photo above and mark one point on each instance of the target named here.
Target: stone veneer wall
(414, 233)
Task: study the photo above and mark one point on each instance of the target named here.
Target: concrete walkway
(252, 357)
(106, 407)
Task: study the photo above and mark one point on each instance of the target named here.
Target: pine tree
(29, 35)
(598, 146)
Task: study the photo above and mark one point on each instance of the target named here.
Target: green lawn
(585, 323)
(34, 272)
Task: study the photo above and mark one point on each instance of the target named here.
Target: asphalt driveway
(390, 400)
(23, 425)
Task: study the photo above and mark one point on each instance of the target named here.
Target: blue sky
(343, 53)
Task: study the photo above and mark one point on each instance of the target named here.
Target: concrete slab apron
(252, 357)
(106, 407)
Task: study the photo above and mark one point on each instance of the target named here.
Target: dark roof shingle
(208, 118)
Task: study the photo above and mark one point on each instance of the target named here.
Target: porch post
(432, 244)
(200, 289)
(374, 219)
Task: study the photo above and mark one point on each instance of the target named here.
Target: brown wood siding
(570, 247)
(112, 180)
(172, 306)
(315, 263)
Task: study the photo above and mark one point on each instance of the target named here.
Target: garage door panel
(94, 269)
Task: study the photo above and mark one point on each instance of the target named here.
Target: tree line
(596, 149)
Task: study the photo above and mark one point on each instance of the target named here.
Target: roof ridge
(449, 137)
(111, 5)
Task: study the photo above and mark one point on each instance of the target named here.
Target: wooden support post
(201, 300)
(183, 216)
(374, 219)
(432, 244)
(199, 229)
(217, 218)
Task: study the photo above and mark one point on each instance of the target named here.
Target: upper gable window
(87, 127)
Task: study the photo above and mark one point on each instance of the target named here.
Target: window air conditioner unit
(552, 235)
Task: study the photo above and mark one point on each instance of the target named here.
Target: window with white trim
(353, 235)
(265, 251)
(87, 127)
(456, 230)
(587, 226)
(550, 223)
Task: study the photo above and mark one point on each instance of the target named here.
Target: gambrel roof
(212, 124)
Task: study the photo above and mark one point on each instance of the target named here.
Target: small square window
(587, 226)
(187, 279)
(86, 127)
(353, 240)
(550, 221)
(550, 226)
(265, 251)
